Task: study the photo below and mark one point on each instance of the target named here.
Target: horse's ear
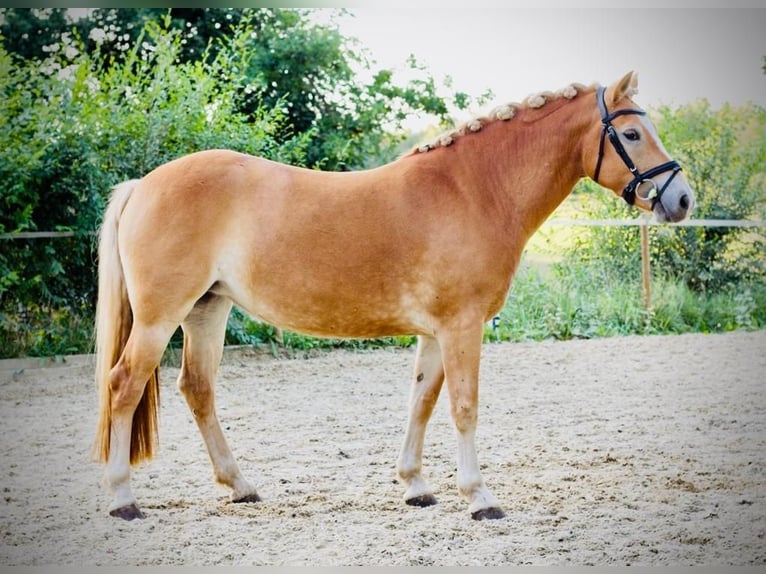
(625, 88)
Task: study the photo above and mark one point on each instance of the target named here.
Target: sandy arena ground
(647, 450)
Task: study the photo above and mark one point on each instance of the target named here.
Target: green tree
(70, 130)
(308, 69)
(29, 32)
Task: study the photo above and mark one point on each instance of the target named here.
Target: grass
(45, 332)
(575, 301)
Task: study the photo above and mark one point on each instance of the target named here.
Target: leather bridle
(629, 193)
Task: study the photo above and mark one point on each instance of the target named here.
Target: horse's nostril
(684, 201)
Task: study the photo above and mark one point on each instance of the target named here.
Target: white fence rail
(39, 234)
(646, 221)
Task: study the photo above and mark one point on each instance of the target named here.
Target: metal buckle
(647, 190)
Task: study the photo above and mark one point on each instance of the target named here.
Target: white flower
(210, 111)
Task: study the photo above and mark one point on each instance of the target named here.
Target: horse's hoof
(247, 498)
(491, 513)
(129, 512)
(422, 501)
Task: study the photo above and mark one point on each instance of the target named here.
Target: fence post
(646, 274)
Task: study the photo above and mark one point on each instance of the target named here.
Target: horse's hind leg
(127, 380)
(204, 331)
(427, 382)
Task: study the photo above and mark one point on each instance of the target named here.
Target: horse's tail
(114, 319)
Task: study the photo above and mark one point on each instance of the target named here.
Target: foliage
(581, 300)
(46, 332)
(724, 155)
(306, 69)
(29, 33)
(70, 133)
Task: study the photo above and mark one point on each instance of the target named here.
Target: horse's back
(300, 248)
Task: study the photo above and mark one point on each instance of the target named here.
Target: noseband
(629, 193)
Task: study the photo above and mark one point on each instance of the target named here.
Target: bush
(576, 299)
(70, 131)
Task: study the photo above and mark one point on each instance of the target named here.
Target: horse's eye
(632, 135)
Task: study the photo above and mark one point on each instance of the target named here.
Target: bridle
(629, 193)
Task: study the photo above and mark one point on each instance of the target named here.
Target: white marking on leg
(117, 472)
(426, 385)
(128, 380)
(469, 479)
(225, 468)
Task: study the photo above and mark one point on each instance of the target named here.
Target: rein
(629, 192)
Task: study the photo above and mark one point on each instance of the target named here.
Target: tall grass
(575, 300)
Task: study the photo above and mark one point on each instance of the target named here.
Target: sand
(637, 450)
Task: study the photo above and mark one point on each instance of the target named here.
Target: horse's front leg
(461, 352)
(426, 385)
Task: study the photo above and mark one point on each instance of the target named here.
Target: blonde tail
(114, 319)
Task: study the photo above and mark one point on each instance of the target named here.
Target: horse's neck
(529, 164)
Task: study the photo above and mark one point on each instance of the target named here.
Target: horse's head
(627, 156)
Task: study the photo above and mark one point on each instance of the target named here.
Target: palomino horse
(425, 245)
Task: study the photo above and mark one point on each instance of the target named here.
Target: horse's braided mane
(503, 112)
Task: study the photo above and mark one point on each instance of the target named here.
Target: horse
(425, 245)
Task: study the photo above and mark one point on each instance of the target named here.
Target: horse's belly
(359, 318)
(345, 305)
